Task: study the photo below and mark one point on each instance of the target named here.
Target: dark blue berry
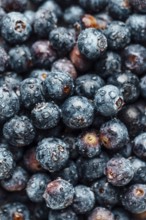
(101, 213)
(72, 14)
(121, 214)
(14, 5)
(138, 6)
(19, 131)
(65, 214)
(139, 145)
(52, 153)
(77, 112)
(94, 6)
(39, 74)
(52, 6)
(143, 86)
(4, 60)
(30, 15)
(59, 194)
(139, 167)
(12, 80)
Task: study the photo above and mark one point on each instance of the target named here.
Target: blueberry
(92, 43)
(139, 146)
(134, 199)
(118, 35)
(88, 84)
(72, 14)
(15, 28)
(88, 144)
(12, 80)
(17, 181)
(59, 194)
(2, 13)
(52, 153)
(9, 103)
(71, 141)
(105, 193)
(125, 151)
(7, 163)
(138, 6)
(44, 21)
(39, 74)
(36, 186)
(108, 100)
(119, 171)
(19, 131)
(17, 5)
(121, 214)
(62, 39)
(65, 214)
(14, 210)
(139, 167)
(20, 58)
(31, 92)
(103, 19)
(77, 112)
(94, 6)
(58, 85)
(30, 15)
(4, 60)
(53, 6)
(101, 213)
(142, 86)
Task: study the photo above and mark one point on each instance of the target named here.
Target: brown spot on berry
(20, 26)
(18, 216)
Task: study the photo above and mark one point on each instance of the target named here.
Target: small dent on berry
(20, 26)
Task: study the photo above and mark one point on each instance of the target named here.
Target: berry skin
(40, 74)
(45, 115)
(88, 144)
(36, 186)
(17, 181)
(128, 83)
(2, 13)
(119, 171)
(105, 194)
(84, 199)
(53, 6)
(94, 6)
(58, 85)
(92, 43)
(6, 163)
(77, 112)
(139, 167)
(137, 26)
(121, 214)
(9, 103)
(31, 92)
(118, 35)
(101, 213)
(59, 194)
(119, 9)
(14, 5)
(20, 58)
(108, 100)
(62, 39)
(52, 153)
(19, 131)
(30, 15)
(88, 84)
(109, 64)
(65, 214)
(134, 57)
(15, 28)
(4, 60)
(138, 6)
(143, 86)
(139, 146)
(64, 65)
(43, 54)
(72, 14)
(134, 199)
(14, 211)
(11, 79)
(44, 21)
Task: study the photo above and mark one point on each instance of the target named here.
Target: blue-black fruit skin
(7, 165)
(128, 83)
(30, 15)
(31, 92)
(15, 28)
(121, 214)
(4, 60)
(105, 193)
(108, 100)
(134, 198)
(45, 20)
(92, 43)
(138, 6)
(20, 58)
(17, 181)
(139, 167)
(19, 131)
(118, 35)
(59, 194)
(94, 6)
(84, 199)
(62, 39)
(119, 9)
(45, 115)
(2, 13)
(139, 147)
(109, 64)
(143, 86)
(9, 210)
(104, 213)
(92, 169)
(9, 103)
(39, 74)
(72, 14)
(11, 79)
(88, 84)
(17, 5)
(77, 112)
(52, 153)
(58, 85)
(36, 186)
(137, 26)
(119, 171)
(53, 6)
(65, 214)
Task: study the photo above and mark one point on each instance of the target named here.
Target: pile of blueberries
(72, 109)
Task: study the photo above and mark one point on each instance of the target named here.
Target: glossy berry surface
(102, 213)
